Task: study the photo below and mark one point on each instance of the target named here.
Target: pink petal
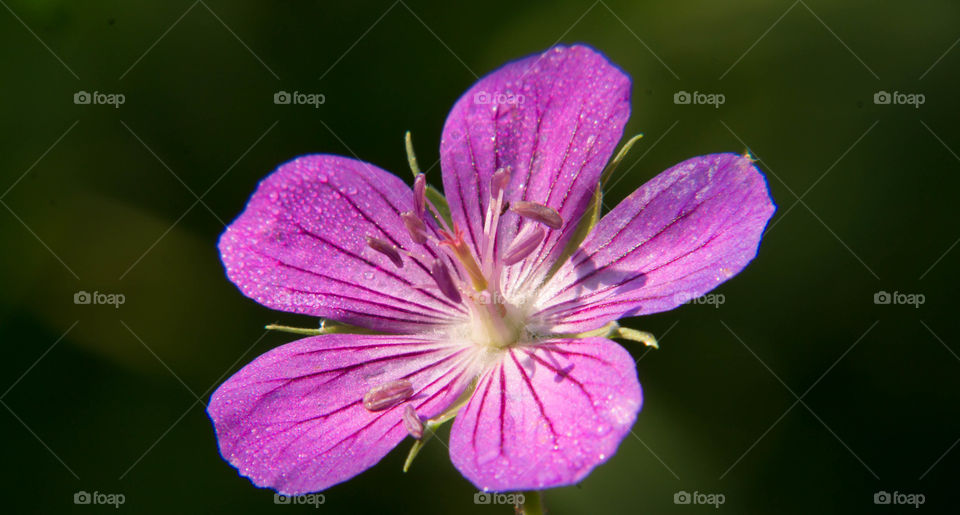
(293, 419)
(553, 119)
(301, 246)
(546, 415)
(677, 237)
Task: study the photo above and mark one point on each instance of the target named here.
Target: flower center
(473, 277)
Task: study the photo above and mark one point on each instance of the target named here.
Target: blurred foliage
(116, 201)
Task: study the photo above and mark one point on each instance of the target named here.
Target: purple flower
(500, 314)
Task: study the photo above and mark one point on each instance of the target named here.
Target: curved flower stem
(532, 503)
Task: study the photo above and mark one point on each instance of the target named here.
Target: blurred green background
(105, 199)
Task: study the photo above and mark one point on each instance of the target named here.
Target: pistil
(465, 257)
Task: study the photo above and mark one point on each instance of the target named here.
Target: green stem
(532, 503)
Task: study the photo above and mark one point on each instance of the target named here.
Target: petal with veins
(546, 415)
(553, 120)
(301, 246)
(294, 420)
(674, 239)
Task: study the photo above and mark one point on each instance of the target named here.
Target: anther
(523, 245)
(499, 181)
(419, 194)
(387, 395)
(412, 422)
(415, 226)
(538, 212)
(441, 274)
(386, 249)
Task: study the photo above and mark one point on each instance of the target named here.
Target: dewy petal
(301, 246)
(553, 119)
(674, 239)
(294, 420)
(546, 415)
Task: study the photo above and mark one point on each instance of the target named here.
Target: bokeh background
(798, 394)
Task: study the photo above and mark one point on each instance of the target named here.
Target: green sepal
(612, 165)
(326, 327)
(592, 215)
(440, 203)
(411, 156)
(586, 224)
(433, 194)
(626, 333)
(614, 330)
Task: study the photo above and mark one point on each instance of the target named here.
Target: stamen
(415, 226)
(499, 181)
(506, 206)
(538, 212)
(419, 194)
(412, 422)
(387, 395)
(523, 245)
(441, 274)
(386, 249)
